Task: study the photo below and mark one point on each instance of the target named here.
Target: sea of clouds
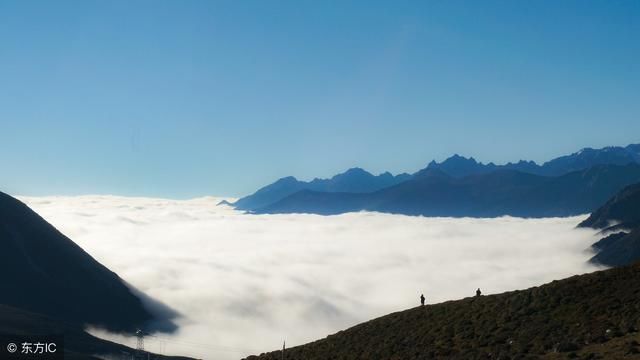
(245, 283)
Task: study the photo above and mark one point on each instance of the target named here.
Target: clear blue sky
(188, 98)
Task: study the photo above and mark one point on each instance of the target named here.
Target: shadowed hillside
(623, 209)
(45, 272)
(77, 343)
(619, 220)
(592, 316)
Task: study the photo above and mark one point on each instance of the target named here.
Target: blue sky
(189, 98)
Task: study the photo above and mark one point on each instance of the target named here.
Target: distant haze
(245, 283)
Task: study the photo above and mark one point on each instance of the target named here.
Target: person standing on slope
(422, 299)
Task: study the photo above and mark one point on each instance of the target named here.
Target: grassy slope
(588, 316)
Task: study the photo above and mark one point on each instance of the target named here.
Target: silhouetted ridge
(354, 180)
(431, 173)
(623, 208)
(43, 271)
(587, 316)
(619, 219)
(431, 192)
(278, 196)
(459, 166)
(589, 157)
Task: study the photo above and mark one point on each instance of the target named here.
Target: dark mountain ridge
(459, 166)
(78, 344)
(619, 220)
(592, 316)
(355, 180)
(623, 209)
(432, 192)
(358, 181)
(48, 273)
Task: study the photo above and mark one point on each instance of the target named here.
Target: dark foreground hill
(592, 316)
(502, 192)
(619, 220)
(77, 343)
(43, 271)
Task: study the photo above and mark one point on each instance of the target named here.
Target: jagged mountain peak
(355, 179)
(358, 180)
(286, 179)
(456, 158)
(354, 171)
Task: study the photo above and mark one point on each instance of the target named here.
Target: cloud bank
(244, 283)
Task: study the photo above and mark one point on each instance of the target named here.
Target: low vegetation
(592, 316)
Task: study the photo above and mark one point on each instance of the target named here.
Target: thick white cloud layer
(244, 283)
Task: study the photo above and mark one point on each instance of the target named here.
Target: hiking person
(422, 299)
(478, 292)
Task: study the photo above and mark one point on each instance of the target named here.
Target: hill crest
(559, 318)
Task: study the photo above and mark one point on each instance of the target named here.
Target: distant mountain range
(619, 220)
(498, 193)
(43, 271)
(568, 185)
(458, 166)
(354, 180)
